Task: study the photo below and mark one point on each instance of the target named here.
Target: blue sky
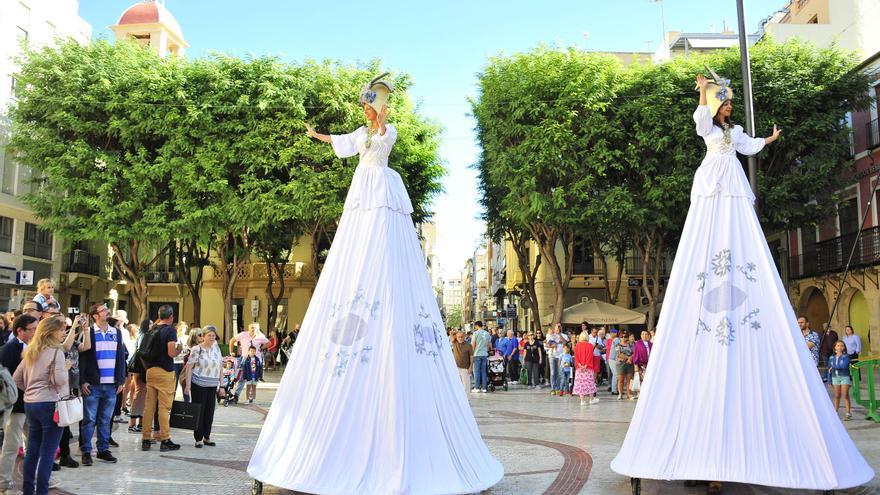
(443, 45)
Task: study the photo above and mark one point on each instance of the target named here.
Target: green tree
(92, 121)
(543, 128)
(454, 318)
(807, 91)
(234, 155)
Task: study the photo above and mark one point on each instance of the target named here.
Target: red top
(273, 343)
(608, 345)
(583, 355)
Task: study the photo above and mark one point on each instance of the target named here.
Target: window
(6, 234)
(37, 242)
(848, 216)
(583, 256)
(25, 180)
(7, 172)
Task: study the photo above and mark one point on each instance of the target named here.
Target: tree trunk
(615, 293)
(520, 241)
(275, 267)
(133, 271)
(603, 264)
(191, 261)
(650, 247)
(232, 253)
(547, 237)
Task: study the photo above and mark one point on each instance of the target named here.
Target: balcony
(634, 267)
(872, 134)
(158, 277)
(585, 267)
(80, 261)
(830, 256)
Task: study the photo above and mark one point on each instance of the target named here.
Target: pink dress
(584, 375)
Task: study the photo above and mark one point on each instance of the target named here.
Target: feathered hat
(717, 91)
(375, 93)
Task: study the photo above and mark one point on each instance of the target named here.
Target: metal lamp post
(747, 91)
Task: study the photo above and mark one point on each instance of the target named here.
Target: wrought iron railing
(634, 266)
(831, 255)
(80, 261)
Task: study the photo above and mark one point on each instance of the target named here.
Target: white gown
(371, 402)
(731, 392)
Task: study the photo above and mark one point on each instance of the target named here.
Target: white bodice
(374, 185)
(721, 172)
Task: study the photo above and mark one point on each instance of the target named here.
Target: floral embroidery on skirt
(584, 381)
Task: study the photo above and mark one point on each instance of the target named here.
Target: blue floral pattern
(726, 297)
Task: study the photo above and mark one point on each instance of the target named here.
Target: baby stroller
(228, 381)
(497, 372)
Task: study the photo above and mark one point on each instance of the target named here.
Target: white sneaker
(474, 390)
(594, 400)
(485, 390)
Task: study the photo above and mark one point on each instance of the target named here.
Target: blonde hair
(583, 336)
(43, 339)
(194, 337)
(43, 282)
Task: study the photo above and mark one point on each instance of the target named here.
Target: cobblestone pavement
(548, 445)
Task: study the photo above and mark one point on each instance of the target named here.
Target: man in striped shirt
(102, 375)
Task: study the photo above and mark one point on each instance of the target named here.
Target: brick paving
(548, 445)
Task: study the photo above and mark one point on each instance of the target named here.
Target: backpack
(150, 351)
(8, 390)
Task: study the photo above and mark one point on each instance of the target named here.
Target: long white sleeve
(345, 145)
(745, 144)
(703, 119)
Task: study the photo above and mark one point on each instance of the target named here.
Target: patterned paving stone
(548, 445)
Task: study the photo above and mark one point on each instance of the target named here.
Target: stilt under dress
(731, 392)
(371, 401)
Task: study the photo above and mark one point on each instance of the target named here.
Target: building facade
(817, 257)
(24, 244)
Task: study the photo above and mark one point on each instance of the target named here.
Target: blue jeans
(555, 378)
(97, 410)
(481, 372)
(44, 436)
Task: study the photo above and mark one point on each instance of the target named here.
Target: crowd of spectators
(118, 369)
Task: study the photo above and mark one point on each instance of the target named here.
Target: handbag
(636, 383)
(185, 415)
(68, 408)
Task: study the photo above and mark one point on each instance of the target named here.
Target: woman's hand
(702, 82)
(382, 115)
(774, 136)
(310, 131)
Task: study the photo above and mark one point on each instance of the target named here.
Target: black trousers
(534, 373)
(64, 448)
(206, 397)
(513, 370)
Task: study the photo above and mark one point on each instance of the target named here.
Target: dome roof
(150, 12)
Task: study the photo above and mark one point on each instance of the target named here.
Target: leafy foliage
(573, 144)
(141, 150)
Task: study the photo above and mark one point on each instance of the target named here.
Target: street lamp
(747, 91)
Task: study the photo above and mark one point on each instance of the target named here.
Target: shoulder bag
(68, 408)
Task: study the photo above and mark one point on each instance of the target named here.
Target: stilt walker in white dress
(731, 392)
(371, 402)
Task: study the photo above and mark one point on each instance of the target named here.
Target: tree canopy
(575, 144)
(140, 150)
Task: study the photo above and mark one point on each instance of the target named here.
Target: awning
(593, 311)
